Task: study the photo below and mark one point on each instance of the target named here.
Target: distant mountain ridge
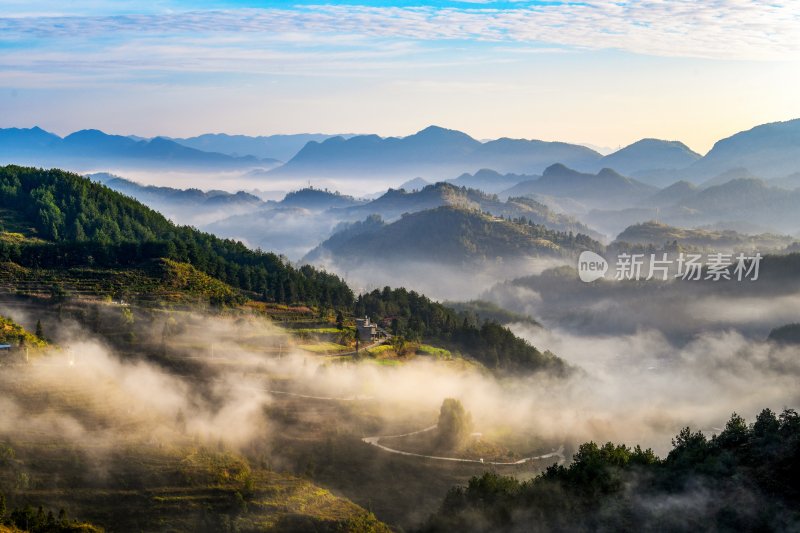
(433, 152)
(92, 148)
(150, 194)
(653, 160)
(490, 181)
(768, 151)
(605, 189)
(746, 203)
(280, 147)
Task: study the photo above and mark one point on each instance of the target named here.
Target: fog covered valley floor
(135, 418)
(157, 419)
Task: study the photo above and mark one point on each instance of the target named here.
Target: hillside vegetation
(451, 235)
(82, 239)
(657, 233)
(13, 333)
(744, 479)
(87, 224)
(413, 316)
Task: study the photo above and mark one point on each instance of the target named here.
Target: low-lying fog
(633, 388)
(270, 187)
(435, 280)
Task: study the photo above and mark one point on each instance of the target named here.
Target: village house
(367, 331)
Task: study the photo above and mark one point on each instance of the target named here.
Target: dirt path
(374, 441)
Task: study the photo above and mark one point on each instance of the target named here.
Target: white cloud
(723, 29)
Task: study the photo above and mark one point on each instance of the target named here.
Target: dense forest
(84, 223)
(415, 317)
(747, 478)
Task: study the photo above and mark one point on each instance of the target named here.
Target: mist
(260, 181)
(455, 282)
(238, 382)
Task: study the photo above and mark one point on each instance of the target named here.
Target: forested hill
(396, 202)
(450, 235)
(413, 316)
(76, 222)
(56, 220)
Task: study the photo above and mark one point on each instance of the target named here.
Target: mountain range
(769, 151)
(90, 149)
(433, 153)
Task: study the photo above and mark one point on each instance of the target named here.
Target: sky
(605, 73)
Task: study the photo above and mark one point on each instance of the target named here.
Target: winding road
(323, 398)
(374, 441)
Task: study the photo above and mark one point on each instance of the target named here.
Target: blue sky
(599, 72)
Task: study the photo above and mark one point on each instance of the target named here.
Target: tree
(39, 330)
(454, 426)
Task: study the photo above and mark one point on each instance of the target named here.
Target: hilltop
(394, 203)
(317, 199)
(657, 234)
(447, 235)
(606, 189)
(655, 161)
(490, 181)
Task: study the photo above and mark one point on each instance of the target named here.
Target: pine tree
(39, 330)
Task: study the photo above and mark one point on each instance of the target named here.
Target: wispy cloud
(609, 70)
(726, 29)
